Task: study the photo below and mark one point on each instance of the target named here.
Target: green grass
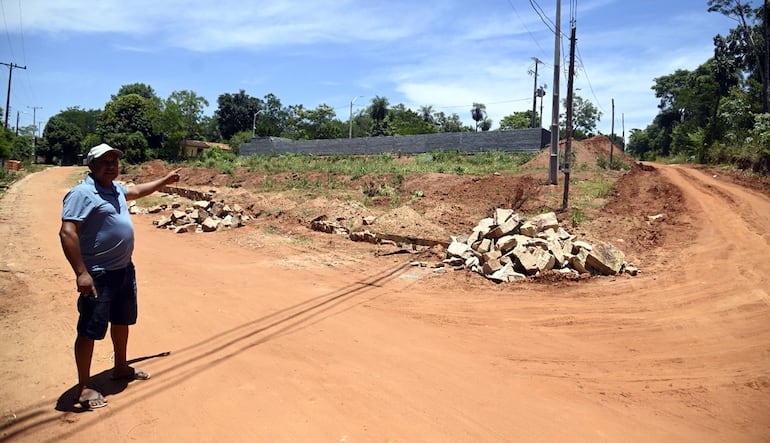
(577, 216)
(374, 165)
(596, 188)
(340, 169)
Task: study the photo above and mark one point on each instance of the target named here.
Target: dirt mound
(586, 154)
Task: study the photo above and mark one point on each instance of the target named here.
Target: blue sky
(446, 54)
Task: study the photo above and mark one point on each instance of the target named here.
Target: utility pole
(8, 97)
(534, 94)
(568, 135)
(623, 126)
(34, 128)
(254, 123)
(554, 159)
(350, 118)
(612, 131)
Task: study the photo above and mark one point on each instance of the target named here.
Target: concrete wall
(523, 140)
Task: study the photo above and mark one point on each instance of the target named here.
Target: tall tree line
(147, 127)
(718, 112)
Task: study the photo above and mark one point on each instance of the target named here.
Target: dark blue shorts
(116, 303)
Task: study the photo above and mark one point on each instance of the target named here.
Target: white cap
(100, 150)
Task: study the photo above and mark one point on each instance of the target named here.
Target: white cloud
(443, 53)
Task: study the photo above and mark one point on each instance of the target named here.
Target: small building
(196, 148)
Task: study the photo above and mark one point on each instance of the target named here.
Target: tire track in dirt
(755, 221)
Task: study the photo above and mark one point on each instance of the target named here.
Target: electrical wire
(523, 23)
(539, 11)
(590, 87)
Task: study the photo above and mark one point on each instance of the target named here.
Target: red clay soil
(275, 332)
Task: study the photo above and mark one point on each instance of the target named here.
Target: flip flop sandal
(95, 401)
(136, 374)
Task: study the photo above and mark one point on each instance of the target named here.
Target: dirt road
(267, 344)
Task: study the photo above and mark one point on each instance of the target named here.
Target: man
(97, 237)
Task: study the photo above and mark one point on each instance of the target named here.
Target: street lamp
(350, 130)
(254, 123)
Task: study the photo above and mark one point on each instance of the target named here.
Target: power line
(7, 33)
(539, 11)
(588, 80)
(523, 23)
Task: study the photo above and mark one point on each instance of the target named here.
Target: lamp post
(254, 124)
(350, 119)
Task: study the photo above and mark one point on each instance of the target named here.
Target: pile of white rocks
(507, 247)
(202, 216)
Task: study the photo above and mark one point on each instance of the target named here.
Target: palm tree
(426, 113)
(479, 114)
(378, 110)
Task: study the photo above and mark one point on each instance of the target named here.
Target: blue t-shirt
(106, 233)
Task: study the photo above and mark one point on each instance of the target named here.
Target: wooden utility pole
(612, 131)
(534, 95)
(553, 169)
(568, 135)
(8, 97)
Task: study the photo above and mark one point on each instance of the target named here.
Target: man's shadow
(102, 382)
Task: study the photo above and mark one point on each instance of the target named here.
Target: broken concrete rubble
(512, 247)
(201, 216)
(505, 247)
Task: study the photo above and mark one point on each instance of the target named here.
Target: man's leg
(84, 351)
(119, 334)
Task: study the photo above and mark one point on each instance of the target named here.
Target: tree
(210, 129)
(450, 123)
(517, 120)
(426, 113)
(128, 117)
(318, 123)
(478, 114)
(62, 141)
(378, 110)
(363, 124)
(236, 112)
(21, 147)
(190, 107)
(585, 116)
(404, 121)
(748, 42)
(85, 120)
(139, 89)
(181, 120)
(689, 104)
(639, 143)
(272, 121)
(6, 142)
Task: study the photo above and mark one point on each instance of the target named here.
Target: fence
(522, 140)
